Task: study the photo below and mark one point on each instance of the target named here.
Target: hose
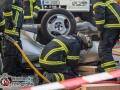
(28, 61)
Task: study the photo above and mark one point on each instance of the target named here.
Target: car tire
(57, 22)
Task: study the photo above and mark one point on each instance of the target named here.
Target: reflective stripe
(31, 11)
(98, 4)
(2, 23)
(16, 18)
(50, 62)
(112, 25)
(8, 13)
(108, 64)
(113, 10)
(18, 8)
(100, 21)
(61, 44)
(52, 51)
(36, 7)
(13, 1)
(57, 77)
(13, 32)
(73, 57)
(62, 76)
(110, 69)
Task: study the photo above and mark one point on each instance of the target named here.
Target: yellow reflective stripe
(31, 11)
(61, 44)
(57, 77)
(111, 25)
(31, 8)
(48, 62)
(52, 51)
(17, 8)
(62, 76)
(110, 69)
(113, 10)
(16, 18)
(36, 7)
(100, 21)
(2, 23)
(72, 57)
(13, 1)
(11, 32)
(108, 63)
(98, 4)
(8, 13)
(28, 17)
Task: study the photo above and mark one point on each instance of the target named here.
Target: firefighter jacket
(13, 9)
(31, 6)
(107, 14)
(2, 21)
(61, 51)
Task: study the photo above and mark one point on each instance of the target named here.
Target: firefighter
(107, 17)
(59, 57)
(31, 8)
(13, 14)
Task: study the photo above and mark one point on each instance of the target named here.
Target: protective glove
(35, 15)
(10, 24)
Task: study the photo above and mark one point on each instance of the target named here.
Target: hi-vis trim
(7, 13)
(98, 4)
(108, 64)
(2, 23)
(100, 22)
(110, 69)
(61, 44)
(52, 51)
(50, 62)
(62, 76)
(36, 7)
(73, 57)
(57, 77)
(17, 8)
(13, 32)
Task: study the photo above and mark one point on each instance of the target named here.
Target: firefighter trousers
(12, 58)
(107, 42)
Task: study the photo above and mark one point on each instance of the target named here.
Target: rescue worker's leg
(107, 42)
(9, 58)
(58, 73)
(18, 60)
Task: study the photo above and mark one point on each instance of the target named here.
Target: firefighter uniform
(107, 17)
(13, 13)
(31, 6)
(59, 57)
(2, 21)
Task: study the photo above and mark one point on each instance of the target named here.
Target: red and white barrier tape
(75, 82)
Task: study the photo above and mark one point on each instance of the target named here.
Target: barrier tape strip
(75, 82)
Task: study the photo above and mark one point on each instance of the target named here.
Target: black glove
(10, 24)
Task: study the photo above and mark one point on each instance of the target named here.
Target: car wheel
(57, 22)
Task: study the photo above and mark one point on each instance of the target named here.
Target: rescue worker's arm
(7, 9)
(73, 56)
(7, 12)
(2, 22)
(99, 9)
(37, 5)
(36, 8)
